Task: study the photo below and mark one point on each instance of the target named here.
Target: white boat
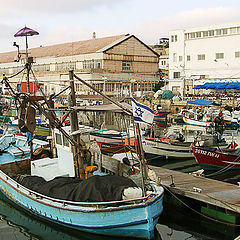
(166, 148)
(196, 122)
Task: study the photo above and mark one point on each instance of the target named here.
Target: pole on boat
(138, 136)
(77, 151)
(141, 157)
(31, 122)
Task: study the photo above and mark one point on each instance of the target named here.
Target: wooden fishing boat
(133, 218)
(113, 147)
(196, 122)
(154, 148)
(214, 158)
(109, 136)
(42, 130)
(214, 152)
(166, 148)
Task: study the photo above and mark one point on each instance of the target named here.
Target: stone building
(116, 65)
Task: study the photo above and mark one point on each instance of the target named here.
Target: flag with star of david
(142, 113)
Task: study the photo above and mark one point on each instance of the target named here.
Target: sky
(61, 21)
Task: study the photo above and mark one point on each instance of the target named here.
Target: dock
(218, 200)
(221, 200)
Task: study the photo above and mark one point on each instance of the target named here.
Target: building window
(219, 32)
(225, 31)
(201, 56)
(233, 30)
(198, 34)
(126, 65)
(65, 141)
(192, 35)
(205, 34)
(180, 58)
(219, 55)
(174, 38)
(211, 33)
(237, 54)
(176, 89)
(58, 139)
(188, 58)
(41, 68)
(174, 57)
(176, 74)
(65, 66)
(238, 29)
(6, 70)
(92, 64)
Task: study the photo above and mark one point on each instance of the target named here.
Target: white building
(203, 54)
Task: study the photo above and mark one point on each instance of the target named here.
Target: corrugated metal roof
(67, 49)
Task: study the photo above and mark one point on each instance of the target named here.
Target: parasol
(26, 32)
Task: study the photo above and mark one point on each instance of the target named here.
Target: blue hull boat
(129, 218)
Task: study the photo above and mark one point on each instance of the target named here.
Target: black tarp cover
(95, 189)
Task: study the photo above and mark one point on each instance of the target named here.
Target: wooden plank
(216, 193)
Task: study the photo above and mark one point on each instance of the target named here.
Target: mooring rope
(203, 215)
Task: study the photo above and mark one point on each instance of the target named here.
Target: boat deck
(209, 191)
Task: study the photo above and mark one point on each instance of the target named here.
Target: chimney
(94, 35)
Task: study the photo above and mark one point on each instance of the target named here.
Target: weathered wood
(216, 193)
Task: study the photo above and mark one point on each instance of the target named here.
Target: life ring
(66, 119)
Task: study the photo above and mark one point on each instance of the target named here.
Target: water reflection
(23, 226)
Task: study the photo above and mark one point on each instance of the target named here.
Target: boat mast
(138, 136)
(77, 149)
(30, 113)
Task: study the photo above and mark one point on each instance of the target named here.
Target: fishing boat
(166, 148)
(133, 218)
(42, 130)
(193, 118)
(109, 136)
(169, 147)
(213, 159)
(219, 156)
(59, 189)
(114, 147)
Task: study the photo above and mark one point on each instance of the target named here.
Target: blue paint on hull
(131, 220)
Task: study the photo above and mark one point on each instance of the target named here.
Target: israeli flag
(142, 113)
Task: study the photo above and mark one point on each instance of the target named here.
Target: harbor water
(178, 222)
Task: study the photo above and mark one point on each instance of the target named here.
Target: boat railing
(39, 196)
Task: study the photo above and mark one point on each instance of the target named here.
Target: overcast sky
(59, 21)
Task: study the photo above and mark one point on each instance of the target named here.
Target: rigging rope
(17, 72)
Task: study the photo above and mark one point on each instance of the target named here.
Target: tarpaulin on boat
(95, 189)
